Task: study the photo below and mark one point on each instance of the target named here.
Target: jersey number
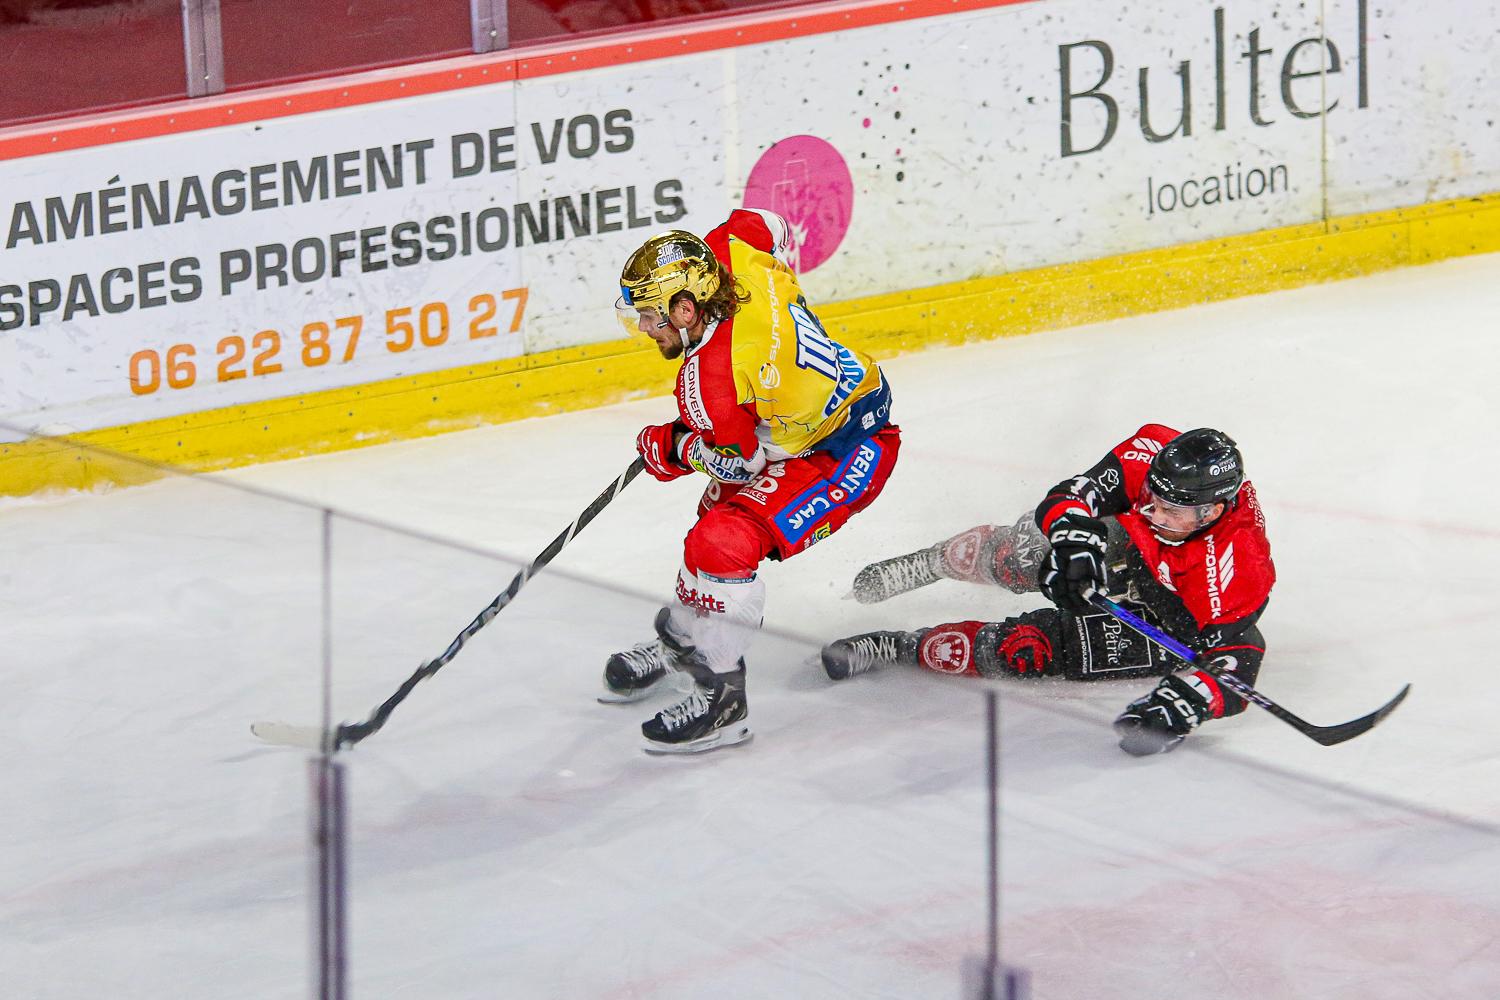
(817, 353)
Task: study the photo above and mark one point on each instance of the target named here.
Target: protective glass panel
(149, 847)
(274, 41)
(68, 58)
(509, 837)
(539, 20)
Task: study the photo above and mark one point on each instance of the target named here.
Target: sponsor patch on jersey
(692, 396)
(1219, 571)
(726, 468)
(1109, 648)
(1142, 449)
(770, 375)
(847, 484)
(727, 450)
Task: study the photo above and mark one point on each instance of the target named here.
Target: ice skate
(714, 714)
(885, 579)
(647, 667)
(843, 658)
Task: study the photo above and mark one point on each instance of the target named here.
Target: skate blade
(730, 736)
(624, 698)
(674, 683)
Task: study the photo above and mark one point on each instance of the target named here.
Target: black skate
(843, 658)
(645, 667)
(883, 580)
(715, 714)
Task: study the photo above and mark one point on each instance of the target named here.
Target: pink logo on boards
(805, 181)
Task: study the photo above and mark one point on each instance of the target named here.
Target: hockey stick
(1326, 735)
(349, 733)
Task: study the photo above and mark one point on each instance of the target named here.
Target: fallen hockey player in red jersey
(792, 430)
(1165, 524)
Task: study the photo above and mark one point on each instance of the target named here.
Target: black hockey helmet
(1198, 467)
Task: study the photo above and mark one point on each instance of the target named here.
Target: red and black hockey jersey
(1207, 589)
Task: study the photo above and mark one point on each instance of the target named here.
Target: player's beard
(672, 350)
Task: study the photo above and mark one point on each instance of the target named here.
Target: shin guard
(726, 614)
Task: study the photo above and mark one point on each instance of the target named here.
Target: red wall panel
(273, 41)
(68, 56)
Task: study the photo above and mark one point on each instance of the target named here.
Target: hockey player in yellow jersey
(792, 429)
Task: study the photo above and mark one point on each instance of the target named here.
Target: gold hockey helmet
(668, 263)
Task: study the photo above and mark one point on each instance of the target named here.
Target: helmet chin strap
(682, 331)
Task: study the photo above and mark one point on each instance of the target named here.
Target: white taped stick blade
(286, 735)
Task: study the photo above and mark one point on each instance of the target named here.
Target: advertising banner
(215, 268)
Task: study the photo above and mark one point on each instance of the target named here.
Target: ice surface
(510, 840)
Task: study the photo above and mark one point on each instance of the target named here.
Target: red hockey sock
(949, 649)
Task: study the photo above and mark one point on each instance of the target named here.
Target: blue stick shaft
(1146, 629)
(1326, 735)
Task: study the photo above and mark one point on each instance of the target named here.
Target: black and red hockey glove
(1075, 563)
(1162, 719)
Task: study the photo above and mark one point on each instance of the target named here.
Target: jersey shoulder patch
(1144, 444)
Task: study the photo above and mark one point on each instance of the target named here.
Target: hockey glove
(724, 465)
(1159, 721)
(657, 446)
(1075, 564)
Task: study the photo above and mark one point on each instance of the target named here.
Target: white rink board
(973, 144)
(77, 371)
(1434, 83)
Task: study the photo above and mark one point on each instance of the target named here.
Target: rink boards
(418, 250)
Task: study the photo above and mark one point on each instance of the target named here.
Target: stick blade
(284, 734)
(1332, 735)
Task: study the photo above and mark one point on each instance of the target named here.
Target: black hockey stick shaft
(1326, 735)
(350, 733)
